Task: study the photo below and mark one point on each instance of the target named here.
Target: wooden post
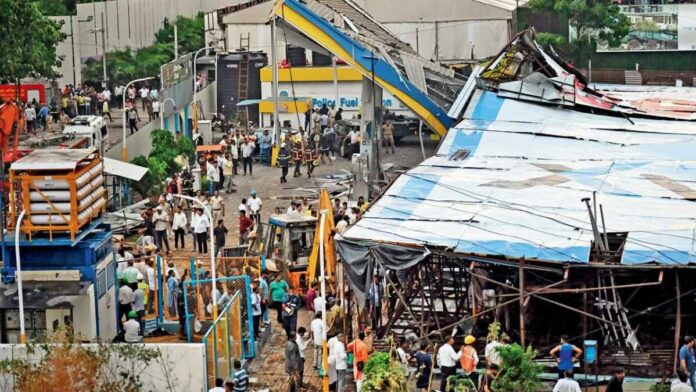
(677, 322)
(521, 288)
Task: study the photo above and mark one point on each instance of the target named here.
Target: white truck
(92, 131)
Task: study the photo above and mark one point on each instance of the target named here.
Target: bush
(381, 374)
(460, 384)
(519, 372)
(60, 365)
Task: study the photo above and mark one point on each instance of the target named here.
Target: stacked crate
(61, 192)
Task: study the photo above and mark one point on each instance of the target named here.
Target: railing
(223, 341)
(198, 302)
(225, 267)
(649, 77)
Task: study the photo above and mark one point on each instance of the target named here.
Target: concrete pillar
(367, 169)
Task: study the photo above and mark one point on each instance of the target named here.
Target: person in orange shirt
(359, 350)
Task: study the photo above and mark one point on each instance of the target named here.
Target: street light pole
(212, 249)
(324, 343)
(103, 34)
(124, 147)
(102, 30)
(18, 277)
(164, 103)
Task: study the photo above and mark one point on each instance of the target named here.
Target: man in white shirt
(122, 260)
(354, 142)
(248, 147)
(567, 384)
(323, 122)
(318, 303)
(118, 91)
(491, 352)
(302, 341)
(144, 92)
(340, 361)
(218, 386)
(403, 356)
(179, 227)
(254, 203)
(200, 228)
(161, 220)
(106, 94)
(131, 329)
(125, 300)
(447, 359)
(30, 116)
(317, 327)
(156, 108)
(213, 173)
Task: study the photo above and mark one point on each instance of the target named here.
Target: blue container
(61, 253)
(590, 351)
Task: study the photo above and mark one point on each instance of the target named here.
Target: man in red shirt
(246, 224)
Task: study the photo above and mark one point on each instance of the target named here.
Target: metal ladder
(243, 81)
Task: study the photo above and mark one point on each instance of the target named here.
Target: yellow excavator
(292, 245)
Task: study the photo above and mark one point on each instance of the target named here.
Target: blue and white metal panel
(518, 193)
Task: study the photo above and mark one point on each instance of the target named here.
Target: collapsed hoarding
(548, 198)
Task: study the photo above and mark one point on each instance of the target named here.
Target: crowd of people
(86, 100)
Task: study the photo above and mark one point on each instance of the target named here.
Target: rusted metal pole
(677, 322)
(521, 288)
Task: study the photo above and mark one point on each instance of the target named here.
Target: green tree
(54, 7)
(151, 183)
(162, 161)
(519, 372)
(129, 64)
(29, 41)
(591, 20)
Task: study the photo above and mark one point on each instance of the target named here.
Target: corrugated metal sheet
(414, 71)
(127, 170)
(52, 159)
(518, 193)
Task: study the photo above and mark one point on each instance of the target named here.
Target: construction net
(223, 341)
(200, 311)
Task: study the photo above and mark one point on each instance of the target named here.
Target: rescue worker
(297, 158)
(283, 162)
(469, 359)
(310, 156)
